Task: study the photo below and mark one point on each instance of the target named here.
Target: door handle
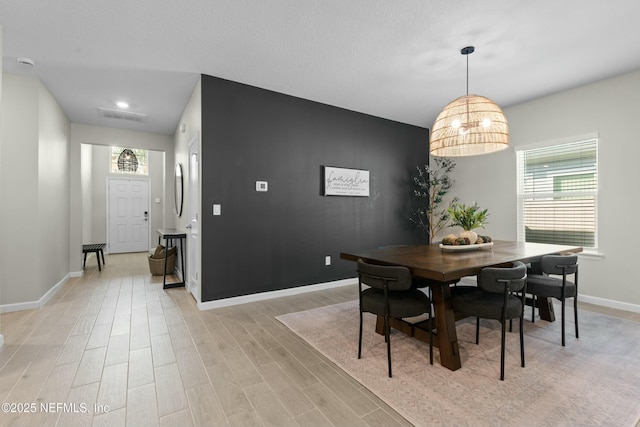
(189, 227)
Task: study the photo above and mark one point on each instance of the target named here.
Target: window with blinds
(558, 194)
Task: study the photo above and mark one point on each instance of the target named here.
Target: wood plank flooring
(117, 349)
(113, 348)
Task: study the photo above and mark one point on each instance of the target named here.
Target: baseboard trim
(609, 303)
(30, 305)
(583, 298)
(226, 302)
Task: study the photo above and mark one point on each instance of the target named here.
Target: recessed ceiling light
(26, 61)
(122, 104)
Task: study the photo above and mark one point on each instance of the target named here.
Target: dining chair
(552, 283)
(386, 291)
(416, 282)
(500, 295)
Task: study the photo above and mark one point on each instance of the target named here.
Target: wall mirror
(179, 188)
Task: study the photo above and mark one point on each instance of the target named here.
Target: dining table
(438, 267)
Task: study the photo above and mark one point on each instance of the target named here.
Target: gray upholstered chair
(500, 295)
(552, 283)
(387, 291)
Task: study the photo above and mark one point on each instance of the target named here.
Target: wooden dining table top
(446, 266)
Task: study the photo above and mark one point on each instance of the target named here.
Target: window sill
(591, 254)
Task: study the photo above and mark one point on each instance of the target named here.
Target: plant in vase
(431, 187)
(469, 218)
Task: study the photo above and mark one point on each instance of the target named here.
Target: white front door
(128, 215)
(193, 243)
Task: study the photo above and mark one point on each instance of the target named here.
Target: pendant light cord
(467, 74)
(466, 52)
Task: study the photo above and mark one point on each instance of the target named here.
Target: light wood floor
(115, 339)
(118, 350)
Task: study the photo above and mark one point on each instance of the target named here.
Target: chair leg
(504, 331)
(522, 338)
(388, 339)
(360, 338)
(575, 313)
(477, 330)
(563, 304)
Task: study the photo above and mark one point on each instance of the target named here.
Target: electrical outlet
(327, 260)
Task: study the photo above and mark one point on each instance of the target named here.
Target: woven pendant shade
(469, 126)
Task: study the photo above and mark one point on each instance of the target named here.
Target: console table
(169, 234)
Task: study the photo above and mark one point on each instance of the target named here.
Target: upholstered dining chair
(386, 291)
(500, 295)
(553, 283)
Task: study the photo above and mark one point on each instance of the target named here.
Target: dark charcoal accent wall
(266, 241)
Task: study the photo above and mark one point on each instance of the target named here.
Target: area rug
(593, 381)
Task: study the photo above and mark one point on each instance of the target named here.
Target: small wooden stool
(94, 247)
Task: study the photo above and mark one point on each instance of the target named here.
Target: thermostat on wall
(262, 186)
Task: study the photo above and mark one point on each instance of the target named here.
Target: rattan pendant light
(469, 125)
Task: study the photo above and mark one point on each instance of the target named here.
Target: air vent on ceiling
(122, 115)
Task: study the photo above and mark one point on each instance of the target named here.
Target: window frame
(522, 195)
(143, 167)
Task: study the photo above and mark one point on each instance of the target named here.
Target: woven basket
(155, 265)
(156, 261)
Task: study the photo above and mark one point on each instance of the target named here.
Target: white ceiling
(395, 59)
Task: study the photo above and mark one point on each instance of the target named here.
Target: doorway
(193, 227)
(128, 210)
(95, 166)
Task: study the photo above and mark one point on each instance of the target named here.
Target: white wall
(53, 191)
(609, 108)
(110, 136)
(192, 120)
(2, 266)
(87, 193)
(35, 194)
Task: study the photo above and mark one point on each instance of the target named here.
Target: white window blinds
(558, 194)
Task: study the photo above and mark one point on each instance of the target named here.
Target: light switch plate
(217, 209)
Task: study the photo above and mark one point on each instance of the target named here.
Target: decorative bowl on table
(460, 244)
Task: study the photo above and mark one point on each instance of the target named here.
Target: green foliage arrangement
(431, 186)
(468, 217)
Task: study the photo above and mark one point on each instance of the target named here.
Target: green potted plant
(469, 218)
(431, 186)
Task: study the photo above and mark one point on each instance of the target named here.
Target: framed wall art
(346, 182)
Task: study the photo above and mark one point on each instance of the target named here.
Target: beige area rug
(593, 381)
